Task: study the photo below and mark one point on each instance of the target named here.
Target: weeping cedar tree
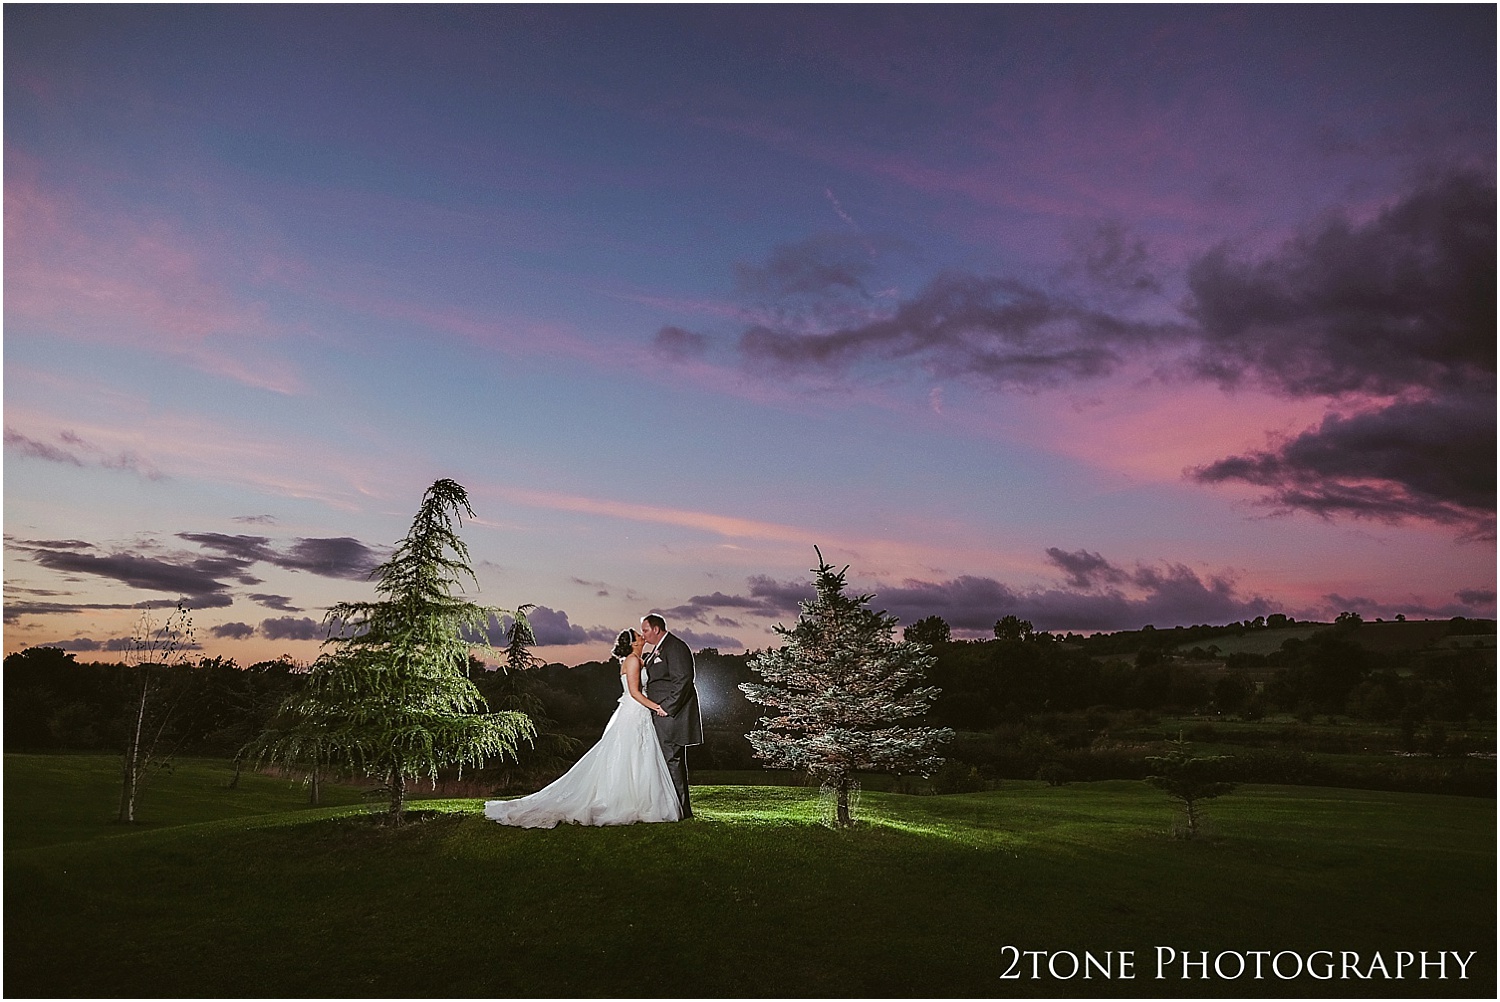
(1189, 779)
(838, 686)
(392, 699)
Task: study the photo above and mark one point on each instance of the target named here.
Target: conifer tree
(513, 685)
(839, 688)
(1189, 779)
(392, 698)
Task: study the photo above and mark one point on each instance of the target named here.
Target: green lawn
(264, 897)
(63, 798)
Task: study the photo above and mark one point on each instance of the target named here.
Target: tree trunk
(127, 787)
(844, 820)
(398, 796)
(131, 773)
(315, 783)
(1192, 815)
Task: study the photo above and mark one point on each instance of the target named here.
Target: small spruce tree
(839, 687)
(392, 698)
(1189, 779)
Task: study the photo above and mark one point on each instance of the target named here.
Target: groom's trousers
(676, 756)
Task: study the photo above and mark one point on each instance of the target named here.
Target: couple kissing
(637, 771)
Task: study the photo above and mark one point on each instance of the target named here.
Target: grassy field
(1259, 641)
(247, 892)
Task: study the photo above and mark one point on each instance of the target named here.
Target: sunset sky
(1098, 316)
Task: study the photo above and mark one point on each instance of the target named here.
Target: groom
(669, 665)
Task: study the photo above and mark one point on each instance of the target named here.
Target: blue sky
(1098, 316)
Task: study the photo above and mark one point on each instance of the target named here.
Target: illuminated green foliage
(392, 699)
(839, 687)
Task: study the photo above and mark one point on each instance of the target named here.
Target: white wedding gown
(621, 780)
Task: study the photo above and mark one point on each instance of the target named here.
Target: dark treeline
(54, 702)
(1030, 705)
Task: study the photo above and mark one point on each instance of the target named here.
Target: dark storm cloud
(1095, 598)
(338, 557)
(1001, 330)
(197, 579)
(281, 603)
(333, 557)
(699, 607)
(1170, 595)
(767, 597)
(1404, 304)
(1085, 569)
(200, 581)
(1406, 300)
(1476, 597)
(293, 628)
(15, 610)
(553, 629)
(1400, 307)
(52, 544)
(233, 631)
(1430, 459)
(248, 549)
(779, 596)
(1369, 608)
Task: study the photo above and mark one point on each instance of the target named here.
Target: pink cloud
(910, 545)
(1148, 429)
(156, 442)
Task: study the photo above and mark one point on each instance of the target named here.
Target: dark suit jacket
(670, 683)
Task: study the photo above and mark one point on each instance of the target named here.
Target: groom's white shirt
(656, 647)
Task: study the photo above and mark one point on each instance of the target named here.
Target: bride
(621, 780)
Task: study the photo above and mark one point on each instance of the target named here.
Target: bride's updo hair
(624, 642)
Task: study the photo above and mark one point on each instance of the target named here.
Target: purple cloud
(197, 579)
(1429, 459)
(281, 603)
(1085, 569)
(553, 629)
(292, 628)
(336, 557)
(233, 631)
(1404, 301)
(1000, 330)
(123, 460)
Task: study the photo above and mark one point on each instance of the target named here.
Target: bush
(957, 777)
(1054, 773)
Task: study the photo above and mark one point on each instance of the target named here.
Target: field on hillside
(247, 892)
(1258, 641)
